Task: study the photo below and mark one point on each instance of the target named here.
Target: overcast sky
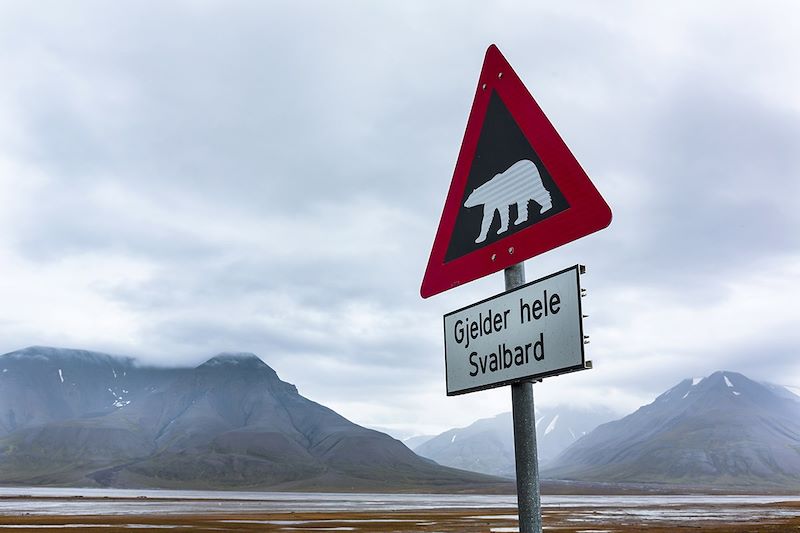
(180, 179)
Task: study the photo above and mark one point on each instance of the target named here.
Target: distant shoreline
(654, 514)
(548, 487)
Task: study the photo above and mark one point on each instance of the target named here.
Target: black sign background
(500, 145)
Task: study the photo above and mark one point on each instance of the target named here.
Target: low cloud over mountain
(70, 417)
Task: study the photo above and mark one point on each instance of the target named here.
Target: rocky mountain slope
(82, 418)
(39, 385)
(721, 431)
(487, 445)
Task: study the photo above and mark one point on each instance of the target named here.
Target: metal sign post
(528, 495)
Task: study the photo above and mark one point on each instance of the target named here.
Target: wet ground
(767, 518)
(111, 511)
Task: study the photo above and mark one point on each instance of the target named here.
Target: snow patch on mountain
(552, 425)
(727, 381)
(695, 381)
(119, 399)
(793, 390)
(60, 375)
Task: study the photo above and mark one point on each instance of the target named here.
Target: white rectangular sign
(530, 332)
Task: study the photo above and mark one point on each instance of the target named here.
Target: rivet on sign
(511, 250)
(483, 86)
(499, 75)
(494, 256)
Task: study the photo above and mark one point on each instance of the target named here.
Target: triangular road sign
(517, 190)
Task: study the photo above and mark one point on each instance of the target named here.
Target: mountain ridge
(229, 422)
(487, 445)
(724, 430)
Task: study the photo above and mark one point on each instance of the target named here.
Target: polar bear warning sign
(517, 191)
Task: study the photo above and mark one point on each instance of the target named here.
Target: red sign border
(588, 212)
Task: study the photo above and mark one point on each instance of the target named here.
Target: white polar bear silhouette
(517, 185)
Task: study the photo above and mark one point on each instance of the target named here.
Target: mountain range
(721, 431)
(79, 418)
(487, 445)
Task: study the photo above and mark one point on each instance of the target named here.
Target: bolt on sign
(517, 191)
(531, 332)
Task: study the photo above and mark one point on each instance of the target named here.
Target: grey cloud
(254, 155)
